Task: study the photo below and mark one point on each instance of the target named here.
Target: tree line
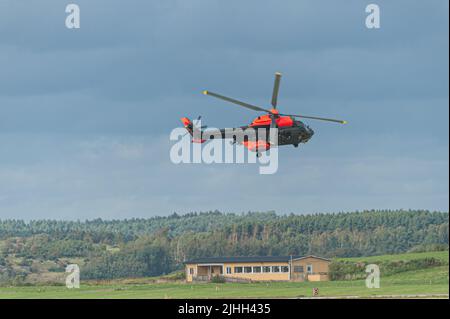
(160, 245)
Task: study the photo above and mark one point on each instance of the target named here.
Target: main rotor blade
(316, 118)
(273, 127)
(276, 88)
(249, 106)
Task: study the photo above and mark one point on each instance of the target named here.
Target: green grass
(430, 281)
(423, 282)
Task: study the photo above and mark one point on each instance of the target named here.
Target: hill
(30, 251)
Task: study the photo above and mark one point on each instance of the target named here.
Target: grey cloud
(85, 115)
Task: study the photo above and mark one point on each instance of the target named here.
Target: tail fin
(188, 125)
(195, 132)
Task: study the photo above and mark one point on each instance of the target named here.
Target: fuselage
(290, 131)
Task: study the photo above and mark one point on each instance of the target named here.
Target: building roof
(247, 259)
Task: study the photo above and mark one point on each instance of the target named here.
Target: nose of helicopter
(309, 133)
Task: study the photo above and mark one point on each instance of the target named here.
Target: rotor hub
(274, 112)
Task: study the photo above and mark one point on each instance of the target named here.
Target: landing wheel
(258, 154)
(295, 145)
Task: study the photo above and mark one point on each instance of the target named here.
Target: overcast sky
(85, 115)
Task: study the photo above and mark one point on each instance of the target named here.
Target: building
(267, 268)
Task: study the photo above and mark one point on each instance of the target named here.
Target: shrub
(428, 247)
(56, 269)
(346, 270)
(218, 279)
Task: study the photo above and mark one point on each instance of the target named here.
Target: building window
(228, 270)
(275, 268)
(309, 269)
(298, 269)
(191, 271)
(257, 269)
(237, 270)
(247, 270)
(266, 269)
(284, 269)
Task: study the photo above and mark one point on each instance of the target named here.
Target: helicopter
(290, 130)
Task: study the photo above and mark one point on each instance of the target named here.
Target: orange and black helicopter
(290, 130)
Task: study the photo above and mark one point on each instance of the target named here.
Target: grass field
(432, 282)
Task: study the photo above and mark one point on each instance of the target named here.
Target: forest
(108, 249)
